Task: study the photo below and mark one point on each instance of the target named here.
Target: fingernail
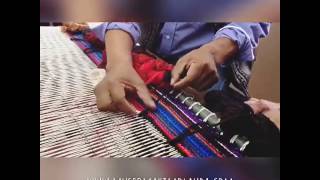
(153, 105)
(172, 82)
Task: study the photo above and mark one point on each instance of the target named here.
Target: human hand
(268, 108)
(198, 68)
(118, 81)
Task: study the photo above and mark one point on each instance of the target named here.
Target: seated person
(207, 56)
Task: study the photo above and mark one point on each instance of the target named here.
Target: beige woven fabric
(70, 124)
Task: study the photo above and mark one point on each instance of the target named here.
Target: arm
(246, 36)
(132, 29)
(119, 44)
(120, 75)
(234, 39)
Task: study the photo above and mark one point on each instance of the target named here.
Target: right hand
(111, 91)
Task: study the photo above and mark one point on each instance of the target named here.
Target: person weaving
(207, 56)
(203, 54)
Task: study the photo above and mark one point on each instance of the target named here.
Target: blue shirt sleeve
(246, 35)
(131, 28)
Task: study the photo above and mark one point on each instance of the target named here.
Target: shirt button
(167, 37)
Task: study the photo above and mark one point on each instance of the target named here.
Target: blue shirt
(178, 38)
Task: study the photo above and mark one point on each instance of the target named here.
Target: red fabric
(151, 70)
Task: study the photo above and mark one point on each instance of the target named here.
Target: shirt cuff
(241, 38)
(131, 28)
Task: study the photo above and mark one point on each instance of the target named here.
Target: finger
(253, 106)
(177, 71)
(144, 94)
(130, 89)
(124, 106)
(257, 106)
(270, 105)
(262, 106)
(112, 107)
(193, 73)
(103, 99)
(253, 99)
(118, 96)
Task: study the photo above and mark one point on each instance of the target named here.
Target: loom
(71, 125)
(205, 117)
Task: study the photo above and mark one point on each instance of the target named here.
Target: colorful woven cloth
(70, 123)
(180, 125)
(152, 71)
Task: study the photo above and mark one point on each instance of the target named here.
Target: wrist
(119, 46)
(118, 60)
(222, 49)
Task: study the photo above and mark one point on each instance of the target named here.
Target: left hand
(198, 68)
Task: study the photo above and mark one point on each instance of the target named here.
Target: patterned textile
(173, 118)
(70, 123)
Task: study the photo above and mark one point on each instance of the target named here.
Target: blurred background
(265, 81)
(159, 169)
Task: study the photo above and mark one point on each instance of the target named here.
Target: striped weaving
(171, 117)
(71, 125)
